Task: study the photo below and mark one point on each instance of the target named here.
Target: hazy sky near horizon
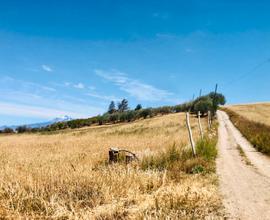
(73, 57)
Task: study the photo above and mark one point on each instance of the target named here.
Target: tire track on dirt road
(245, 188)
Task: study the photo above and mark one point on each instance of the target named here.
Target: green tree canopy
(203, 105)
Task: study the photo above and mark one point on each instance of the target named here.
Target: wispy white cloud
(14, 109)
(103, 97)
(46, 68)
(33, 100)
(79, 86)
(38, 86)
(134, 87)
(10, 82)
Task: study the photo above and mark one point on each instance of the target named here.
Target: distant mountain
(41, 124)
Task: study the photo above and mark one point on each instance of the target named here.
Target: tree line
(122, 113)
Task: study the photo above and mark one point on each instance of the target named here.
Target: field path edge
(245, 187)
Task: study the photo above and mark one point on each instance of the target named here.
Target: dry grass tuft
(64, 175)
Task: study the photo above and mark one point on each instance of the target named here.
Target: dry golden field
(256, 112)
(64, 175)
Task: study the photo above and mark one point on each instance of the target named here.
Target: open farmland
(65, 175)
(255, 112)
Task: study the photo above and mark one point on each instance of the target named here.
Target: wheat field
(258, 112)
(63, 175)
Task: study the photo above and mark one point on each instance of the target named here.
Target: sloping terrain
(258, 112)
(65, 175)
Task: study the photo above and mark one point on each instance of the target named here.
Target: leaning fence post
(200, 125)
(190, 134)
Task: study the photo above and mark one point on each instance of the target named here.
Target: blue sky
(73, 57)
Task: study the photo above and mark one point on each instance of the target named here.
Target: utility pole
(200, 93)
(193, 97)
(216, 88)
(214, 100)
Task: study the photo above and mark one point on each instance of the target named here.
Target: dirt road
(244, 177)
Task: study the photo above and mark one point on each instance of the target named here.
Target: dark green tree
(203, 105)
(112, 108)
(123, 105)
(138, 107)
(22, 129)
(8, 130)
(218, 98)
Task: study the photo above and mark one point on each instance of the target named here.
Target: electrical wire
(250, 72)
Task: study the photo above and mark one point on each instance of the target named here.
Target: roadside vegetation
(257, 133)
(65, 175)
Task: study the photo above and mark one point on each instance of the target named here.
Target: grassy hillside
(253, 122)
(255, 112)
(64, 175)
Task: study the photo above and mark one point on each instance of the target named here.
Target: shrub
(145, 113)
(183, 107)
(114, 117)
(22, 129)
(163, 110)
(203, 105)
(206, 148)
(130, 116)
(100, 120)
(8, 130)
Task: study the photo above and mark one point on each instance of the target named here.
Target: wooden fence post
(200, 125)
(209, 119)
(190, 134)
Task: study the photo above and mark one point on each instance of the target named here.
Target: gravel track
(245, 188)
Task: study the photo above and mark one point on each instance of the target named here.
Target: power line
(228, 84)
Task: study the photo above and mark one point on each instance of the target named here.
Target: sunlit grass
(256, 132)
(65, 175)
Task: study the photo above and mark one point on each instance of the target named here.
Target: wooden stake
(200, 125)
(190, 134)
(209, 119)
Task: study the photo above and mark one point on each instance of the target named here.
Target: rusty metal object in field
(118, 155)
